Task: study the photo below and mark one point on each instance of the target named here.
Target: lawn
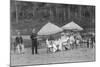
(75, 55)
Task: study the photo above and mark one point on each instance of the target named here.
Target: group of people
(67, 41)
(70, 41)
(19, 45)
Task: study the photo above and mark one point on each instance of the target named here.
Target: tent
(49, 29)
(72, 26)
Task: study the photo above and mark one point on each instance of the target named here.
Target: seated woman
(51, 45)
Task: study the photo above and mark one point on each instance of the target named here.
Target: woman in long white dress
(72, 41)
(49, 45)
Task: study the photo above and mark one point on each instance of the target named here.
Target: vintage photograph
(51, 33)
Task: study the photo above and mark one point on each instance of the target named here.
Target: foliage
(37, 13)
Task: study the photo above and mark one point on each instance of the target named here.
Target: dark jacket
(34, 39)
(19, 40)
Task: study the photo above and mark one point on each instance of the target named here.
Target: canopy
(72, 26)
(49, 29)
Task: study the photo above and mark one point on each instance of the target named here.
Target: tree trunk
(64, 15)
(80, 11)
(69, 12)
(16, 12)
(57, 15)
(51, 14)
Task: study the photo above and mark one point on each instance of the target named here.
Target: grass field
(75, 55)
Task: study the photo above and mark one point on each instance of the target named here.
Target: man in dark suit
(34, 42)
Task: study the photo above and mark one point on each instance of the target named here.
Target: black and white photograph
(43, 33)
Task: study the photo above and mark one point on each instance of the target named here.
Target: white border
(82, 2)
(5, 32)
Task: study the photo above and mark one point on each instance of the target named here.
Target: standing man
(19, 42)
(34, 42)
(93, 41)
